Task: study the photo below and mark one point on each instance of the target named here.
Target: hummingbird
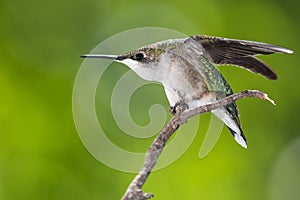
(186, 67)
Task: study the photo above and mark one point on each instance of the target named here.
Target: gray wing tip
(260, 45)
(284, 50)
(274, 48)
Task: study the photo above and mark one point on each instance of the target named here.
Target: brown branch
(134, 190)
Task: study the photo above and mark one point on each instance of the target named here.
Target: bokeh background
(41, 155)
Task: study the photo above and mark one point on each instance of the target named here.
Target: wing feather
(242, 53)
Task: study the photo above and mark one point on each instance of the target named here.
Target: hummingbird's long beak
(110, 57)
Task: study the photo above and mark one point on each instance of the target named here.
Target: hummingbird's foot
(179, 107)
(172, 109)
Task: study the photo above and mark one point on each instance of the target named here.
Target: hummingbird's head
(142, 57)
(145, 55)
(143, 61)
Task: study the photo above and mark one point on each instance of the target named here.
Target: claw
(179, 107)
(172, 109)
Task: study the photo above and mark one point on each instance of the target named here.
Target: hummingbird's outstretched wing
(240, 52)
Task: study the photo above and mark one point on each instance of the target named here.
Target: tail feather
(232, 124)
(234, 115)
(239, 137)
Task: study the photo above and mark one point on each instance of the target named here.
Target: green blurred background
(41, 155)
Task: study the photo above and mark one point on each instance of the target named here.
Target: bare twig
(134, 191)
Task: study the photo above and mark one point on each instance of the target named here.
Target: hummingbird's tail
(233, 125)
(239, 137)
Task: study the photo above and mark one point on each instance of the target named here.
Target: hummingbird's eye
(138, 56)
